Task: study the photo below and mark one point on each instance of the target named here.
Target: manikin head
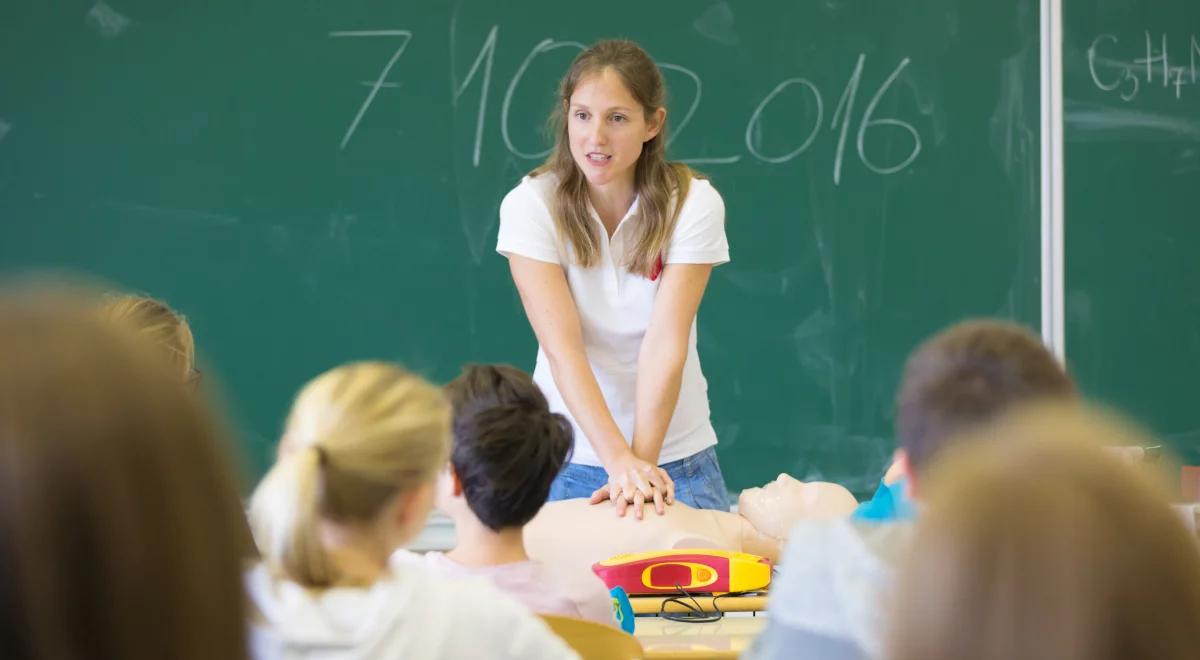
(776, 507)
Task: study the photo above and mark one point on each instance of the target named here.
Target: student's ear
(903, 466)
(895, 471)
(456, 487)
(654, 124)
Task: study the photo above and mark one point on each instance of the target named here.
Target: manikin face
(607, 127)
(776, 507)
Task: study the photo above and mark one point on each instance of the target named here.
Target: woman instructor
(611, 247)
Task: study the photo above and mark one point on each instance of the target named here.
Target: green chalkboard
(318, 182)
(1132, 174)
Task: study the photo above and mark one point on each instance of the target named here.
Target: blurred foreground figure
(121, 532)
(1036, 544)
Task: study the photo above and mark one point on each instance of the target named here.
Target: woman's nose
(599, 135)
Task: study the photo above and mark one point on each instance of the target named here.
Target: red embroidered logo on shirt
(657, 270)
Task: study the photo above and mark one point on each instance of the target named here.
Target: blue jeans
(698, 481)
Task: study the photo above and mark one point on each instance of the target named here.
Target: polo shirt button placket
(614, 260)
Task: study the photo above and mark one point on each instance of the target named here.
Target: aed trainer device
(696, 570)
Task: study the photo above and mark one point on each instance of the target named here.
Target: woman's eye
(581, 115)
(618, 118)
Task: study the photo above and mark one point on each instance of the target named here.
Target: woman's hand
(632, 480)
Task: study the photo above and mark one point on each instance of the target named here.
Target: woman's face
(606, 127)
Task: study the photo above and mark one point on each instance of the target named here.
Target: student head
(161, 327)
(776, 507)
(611, 122)
(1035, 544)
(965, 376)
(121, 530)
(366, 441)
(507, 448)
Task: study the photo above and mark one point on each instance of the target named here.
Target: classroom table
(663, 639)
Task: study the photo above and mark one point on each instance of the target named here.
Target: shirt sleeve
(803, 594)
(777, 641)
(699, 236)
(831, 591)
(526, 226)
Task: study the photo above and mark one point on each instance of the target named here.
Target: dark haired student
(507, 449)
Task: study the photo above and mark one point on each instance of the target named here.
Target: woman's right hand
(634, 481)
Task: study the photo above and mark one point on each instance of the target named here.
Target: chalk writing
(1155, 66)
(381, 79)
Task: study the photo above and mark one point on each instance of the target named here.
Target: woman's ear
(456, 487)
(655, 123)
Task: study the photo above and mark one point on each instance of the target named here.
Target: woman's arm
(660, 366)
(552, 314)
(663, 353)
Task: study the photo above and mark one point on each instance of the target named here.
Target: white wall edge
(1053, 281)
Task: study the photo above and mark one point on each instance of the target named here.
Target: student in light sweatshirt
(354, 481)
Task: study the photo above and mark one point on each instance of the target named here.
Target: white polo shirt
(615, 305)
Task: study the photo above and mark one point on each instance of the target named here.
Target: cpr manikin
(573, 535)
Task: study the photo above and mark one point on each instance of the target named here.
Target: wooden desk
(671, 640)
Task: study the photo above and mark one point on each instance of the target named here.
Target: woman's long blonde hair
(360, 434)
(162, 327)
(1036, 544)
(662, 185)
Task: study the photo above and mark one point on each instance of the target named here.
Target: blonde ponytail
(285, 512)
(361, 434)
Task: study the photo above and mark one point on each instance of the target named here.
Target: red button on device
(668, 575)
